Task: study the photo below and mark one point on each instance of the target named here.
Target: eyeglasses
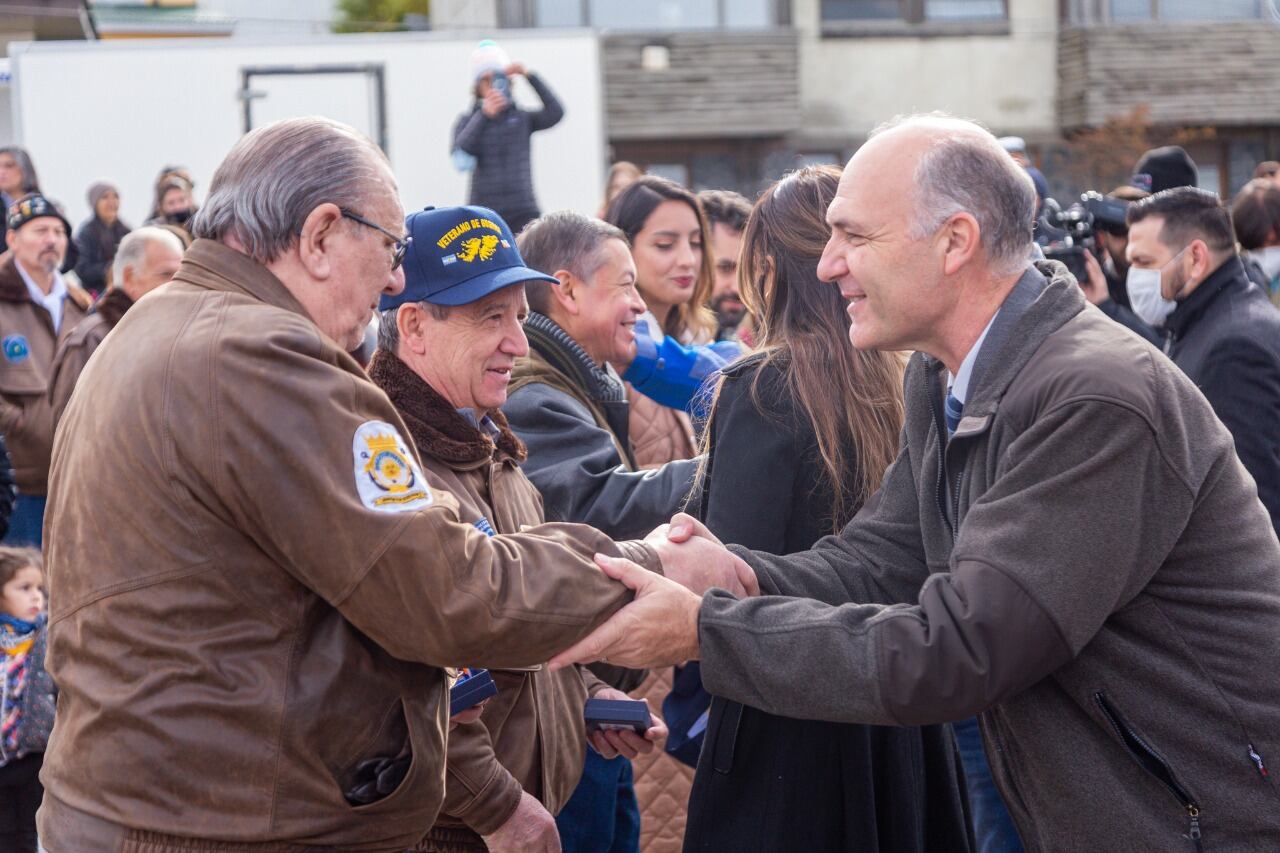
(400, 244)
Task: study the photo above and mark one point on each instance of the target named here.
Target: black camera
(1067, 234)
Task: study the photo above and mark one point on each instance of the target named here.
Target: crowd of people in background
(573, 380)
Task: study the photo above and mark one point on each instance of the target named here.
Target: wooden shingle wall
(1225, 74)
(718, 84)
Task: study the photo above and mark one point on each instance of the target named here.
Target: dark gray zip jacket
(503, 177)
(1086, 563)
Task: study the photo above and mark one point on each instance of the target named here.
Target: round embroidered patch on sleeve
(387, 477)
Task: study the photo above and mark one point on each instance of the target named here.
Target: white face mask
(1145, 296)
(1269, 260)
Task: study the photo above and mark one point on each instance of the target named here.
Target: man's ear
(315, 245)
(567, 292)
(9, 236)
(411, 324)
(1201, 259)
(962, 240)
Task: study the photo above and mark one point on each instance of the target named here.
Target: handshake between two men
(660, 626)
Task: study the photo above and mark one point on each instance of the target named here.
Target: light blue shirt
(958, 385)
(52, 301)
(484, 424)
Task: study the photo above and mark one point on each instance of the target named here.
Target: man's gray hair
(967, 171)
(563, 240)
(275, 176)
(389, 333)
(132, 251)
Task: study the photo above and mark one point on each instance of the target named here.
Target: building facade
(732, 93)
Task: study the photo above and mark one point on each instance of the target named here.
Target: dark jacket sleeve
(469, 129)
(91, 267)
(1241, 380)
(1038, 566)
(752, 471)
(8, 488)
(551, 112)
(576, 467)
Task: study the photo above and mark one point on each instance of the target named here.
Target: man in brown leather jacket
(447, 345)
(251, 657)
(145, 259)
(38, 310)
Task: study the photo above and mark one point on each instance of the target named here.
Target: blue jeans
(993, 829)
(602, 816)
(26, 525)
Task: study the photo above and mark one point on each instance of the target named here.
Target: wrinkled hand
(626, 743)
(658, 628)
(1095, 284)
(470, 715)
(530, 827)
(693, 557)
(493, 103)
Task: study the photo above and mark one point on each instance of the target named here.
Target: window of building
(558, 13)
(964, 10)
(853, 16)
(1137, 11)
(1210, 10)
(862, 10)
(649, 15)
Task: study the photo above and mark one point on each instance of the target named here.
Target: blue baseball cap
(459, 255)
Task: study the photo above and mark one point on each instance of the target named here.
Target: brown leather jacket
(531, 736)
(74, 351)
(26, 419)
(274, 612)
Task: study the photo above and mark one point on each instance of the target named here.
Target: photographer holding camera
(1106, 265)
(1091, 236)
(492, 138)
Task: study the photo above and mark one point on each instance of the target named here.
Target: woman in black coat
(98, 236)
(800, 434)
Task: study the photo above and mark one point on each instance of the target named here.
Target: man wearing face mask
(1186, 277)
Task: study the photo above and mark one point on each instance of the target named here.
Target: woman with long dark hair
(17, 179)
(800, 435)
(17, 175)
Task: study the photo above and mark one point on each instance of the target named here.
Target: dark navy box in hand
(617, 714)
(472, 687)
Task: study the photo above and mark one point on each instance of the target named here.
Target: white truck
(122, 110)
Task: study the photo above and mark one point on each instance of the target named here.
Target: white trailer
(124, 109)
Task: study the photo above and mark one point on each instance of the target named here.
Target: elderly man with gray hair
(1067, 545)
(145, 259)
(253, 656)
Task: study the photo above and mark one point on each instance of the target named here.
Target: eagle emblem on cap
(478, 247)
